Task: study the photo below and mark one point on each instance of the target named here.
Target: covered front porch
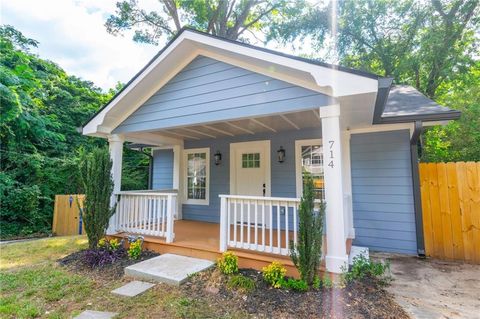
(246, 186)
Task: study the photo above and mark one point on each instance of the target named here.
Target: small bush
(241, 282)
(363, 267)
(327, 282)
(228, 263)
(135, 249)
(317, 282)
(295, 284)
(95, 258)
(112, 244)
(274, 274)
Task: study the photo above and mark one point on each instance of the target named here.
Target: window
(309, 159)
(197, 165)
(251, 160)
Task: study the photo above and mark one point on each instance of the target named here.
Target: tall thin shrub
(307, 252)
(95, 174)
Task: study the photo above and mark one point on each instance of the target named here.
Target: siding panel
(162, 169)
(208, 90)
(383, 210)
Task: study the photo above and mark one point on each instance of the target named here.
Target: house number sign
(331, 153)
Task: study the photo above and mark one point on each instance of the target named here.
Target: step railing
(147, 213)
(265, 224)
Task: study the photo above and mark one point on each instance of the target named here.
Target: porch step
(168, 268)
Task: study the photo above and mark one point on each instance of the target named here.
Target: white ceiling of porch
(250, 126)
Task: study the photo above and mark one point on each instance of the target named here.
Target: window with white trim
(197, 179)
(309, 159)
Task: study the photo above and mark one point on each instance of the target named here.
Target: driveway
(430, 288)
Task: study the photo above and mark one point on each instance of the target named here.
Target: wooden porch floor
(202, 240)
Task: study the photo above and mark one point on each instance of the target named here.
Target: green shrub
(135, 249)
(95, 174)
(295, 284)
(363, 267)
(327, 282)
(241, 282)
(228, 263)
(110, 244)
(274, 274)
(307, 252)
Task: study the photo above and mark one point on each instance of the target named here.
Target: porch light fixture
(218, 158)
(281, 154)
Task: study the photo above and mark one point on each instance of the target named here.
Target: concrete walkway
(168, 268)
(429, 288)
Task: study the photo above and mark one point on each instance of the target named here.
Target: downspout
(417, 199)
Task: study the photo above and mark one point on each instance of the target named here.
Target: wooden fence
(66, 215)
(451, 210)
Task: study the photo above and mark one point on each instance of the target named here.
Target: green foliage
(327, 282)
(307, 252)
(294, 284)
(241, 283)
(110, 244)
(41, 109)
(274, 274)
(230, 19)
(135, 249)
(228, 263)
(363, 267)
(95, 173)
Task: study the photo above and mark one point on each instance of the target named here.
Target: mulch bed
(76, 263)
(361, 299)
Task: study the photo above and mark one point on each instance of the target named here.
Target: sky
(72, 34)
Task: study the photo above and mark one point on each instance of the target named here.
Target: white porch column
(347, 186)
(177, 178)
(115, 143)
(332, 162)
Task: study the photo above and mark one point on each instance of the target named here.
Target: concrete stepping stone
(133, 288)
(168, 268)
(92, 314)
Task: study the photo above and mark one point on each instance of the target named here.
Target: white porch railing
(265, 224)
(146, 213)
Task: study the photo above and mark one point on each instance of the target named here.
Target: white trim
(177, 172)
(233, 159)
(197, 132)
(382, 127)
(298, 161)
(205, 201)
(286, 119)
(240, 128)
(263, 124)
(347, 185)
(209, 127)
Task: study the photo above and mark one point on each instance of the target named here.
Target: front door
(250, 172)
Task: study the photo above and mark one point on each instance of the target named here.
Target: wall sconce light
(218, 158)
(281, 154)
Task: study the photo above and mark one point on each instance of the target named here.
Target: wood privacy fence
(451, 210)
(67, 215)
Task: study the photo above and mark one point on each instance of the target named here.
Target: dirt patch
(365, 299)
(76, 263)
(430, 288)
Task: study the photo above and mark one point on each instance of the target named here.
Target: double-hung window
(197, 176)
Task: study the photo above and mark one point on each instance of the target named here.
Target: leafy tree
(95, 173)
(227, 18)
(307, 252)
(41, 109)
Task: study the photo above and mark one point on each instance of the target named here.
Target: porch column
(177, 178)
(333, 165)
(115, 145)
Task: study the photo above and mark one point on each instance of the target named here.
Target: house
(232, 128)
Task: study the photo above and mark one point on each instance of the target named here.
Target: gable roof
(339, 78)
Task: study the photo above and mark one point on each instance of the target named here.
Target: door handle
(263, 189)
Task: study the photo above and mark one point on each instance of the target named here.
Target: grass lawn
(34, 285)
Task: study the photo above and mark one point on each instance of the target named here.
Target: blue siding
(163, 169)
(282, 174)
(208, 90)
(383, 211)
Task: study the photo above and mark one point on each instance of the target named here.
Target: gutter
(417, 199)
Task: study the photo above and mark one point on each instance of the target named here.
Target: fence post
(170, 235)
(223, 224)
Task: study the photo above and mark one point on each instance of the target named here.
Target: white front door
(250, 172)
